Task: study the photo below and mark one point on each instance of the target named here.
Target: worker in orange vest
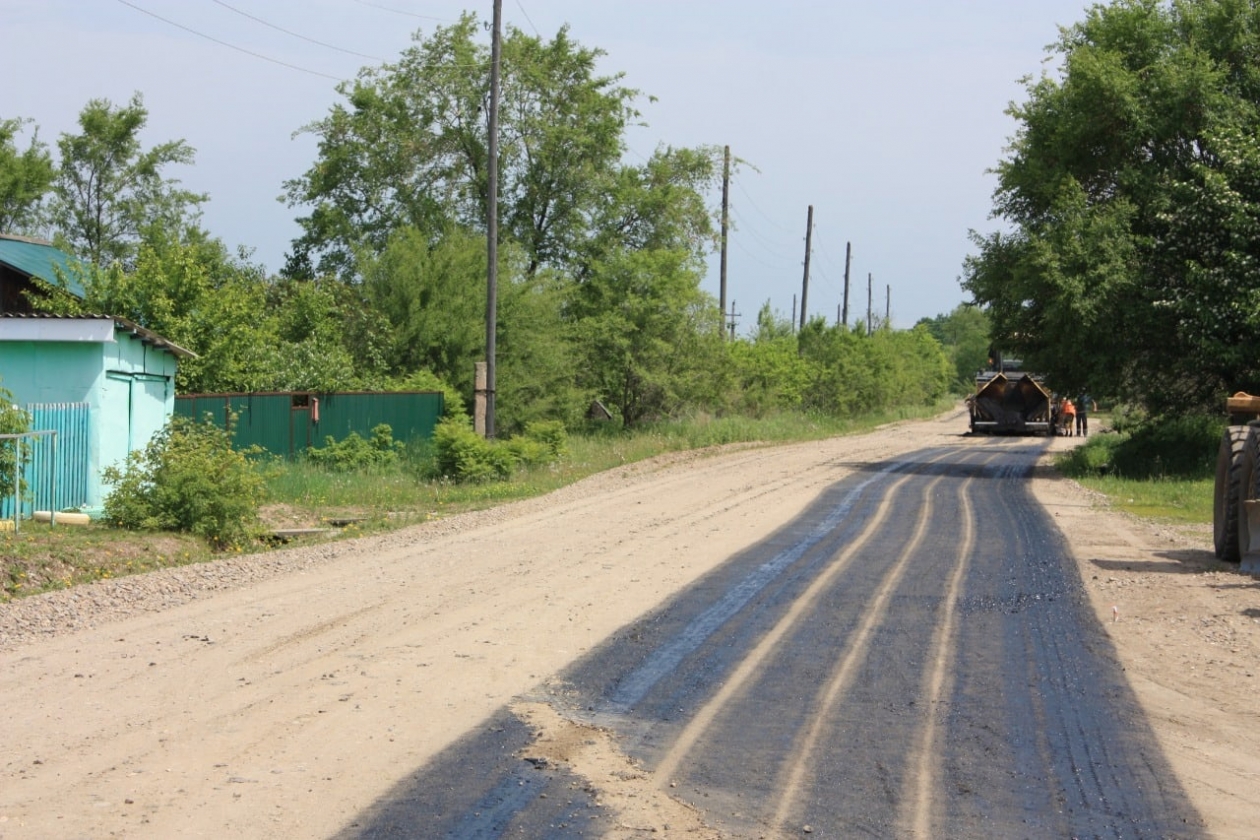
(1068, 412)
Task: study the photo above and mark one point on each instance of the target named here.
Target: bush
(355, 453)
(527, 452)
(1183, 447)
(423, 380)
(13, 421)
(187, 479)
(461, 454)
(551, 434)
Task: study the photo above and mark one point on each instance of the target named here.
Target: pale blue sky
(885, 116)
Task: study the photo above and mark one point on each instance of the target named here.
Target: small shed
(104, 384)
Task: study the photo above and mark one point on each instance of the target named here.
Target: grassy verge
(300, 494)
(1176, 501)
(1163, 472)
(41, 558)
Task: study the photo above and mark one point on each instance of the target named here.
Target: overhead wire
(754, 257)
(818, 249)
(765, 215)
(229, 45)
(401, 11)
(775, 248)
(528, 18)
(297, 35)
(262, 56)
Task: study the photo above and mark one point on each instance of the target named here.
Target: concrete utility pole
(793, 310)
(492, 218)
(733, 316)
(848, 261)
(888, 306)
(809, 239)
(726, 207)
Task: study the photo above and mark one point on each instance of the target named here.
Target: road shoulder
(1186, 629)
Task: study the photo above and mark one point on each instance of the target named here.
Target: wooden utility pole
(848, 261)
(888, 306)
(492, 218)
(726, 207)
(869, 302)
(809, 239)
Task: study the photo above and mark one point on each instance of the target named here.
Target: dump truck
(1236, 498)
(1009, 401)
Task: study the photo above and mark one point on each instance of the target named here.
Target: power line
(527, 18)
(775, 248)
(759, 210)
(826, 255)
(226, 44)
(754, 257)
(295, 34)
(401, 11)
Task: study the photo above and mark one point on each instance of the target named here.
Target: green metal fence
(287, 423)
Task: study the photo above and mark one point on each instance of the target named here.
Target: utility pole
(726, 207)
(809, 239)
(492, 219)
(848, 261)
(793, 310)
(888, 306)
(733, 316)
(868, 303)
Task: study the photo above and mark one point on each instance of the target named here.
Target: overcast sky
(883, 115)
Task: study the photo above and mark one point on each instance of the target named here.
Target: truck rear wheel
(1239, 486)
(1227, 499)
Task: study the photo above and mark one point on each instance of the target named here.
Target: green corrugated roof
(38, 259)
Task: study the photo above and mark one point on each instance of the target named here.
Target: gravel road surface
(880, 635)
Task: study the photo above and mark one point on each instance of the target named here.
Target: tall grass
(409, 490)
(1158, 469)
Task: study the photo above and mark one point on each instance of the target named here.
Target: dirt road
(349, 697)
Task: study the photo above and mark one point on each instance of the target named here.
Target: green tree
(649, 340)
(109, 190)
(433, 295)
(26, 177)
(537, 361)
(1132, 194)
(964, 335)
(408, 149)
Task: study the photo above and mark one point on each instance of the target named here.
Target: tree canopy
(25, 178)
(1131, 195)
(109, 189)
(601, 257)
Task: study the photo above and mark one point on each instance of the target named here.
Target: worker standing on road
(1069, 416)
(1084, 404)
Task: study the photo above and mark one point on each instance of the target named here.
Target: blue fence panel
(51, 462)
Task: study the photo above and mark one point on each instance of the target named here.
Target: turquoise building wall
(128, 384)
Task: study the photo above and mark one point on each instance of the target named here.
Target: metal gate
(54, 466)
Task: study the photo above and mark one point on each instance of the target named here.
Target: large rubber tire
(1227, 501)
(1248, 477)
